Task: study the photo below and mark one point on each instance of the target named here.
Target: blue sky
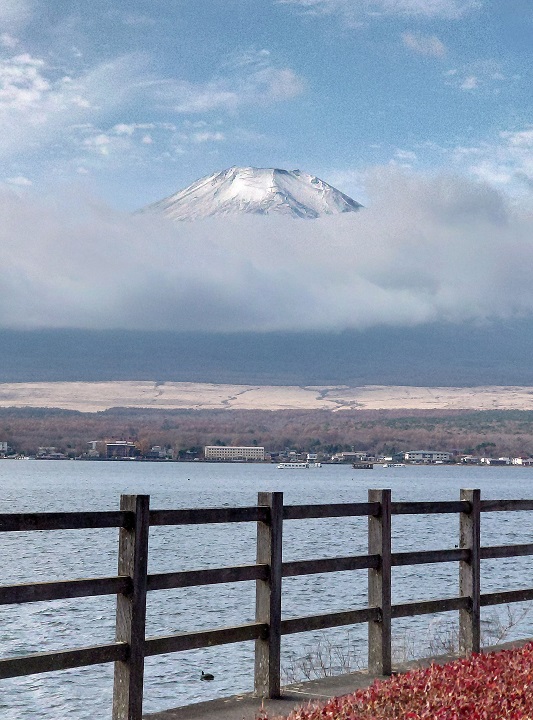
(135, 100)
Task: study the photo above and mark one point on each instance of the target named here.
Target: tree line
(384, 432)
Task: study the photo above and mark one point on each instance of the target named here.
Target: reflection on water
(173, 680)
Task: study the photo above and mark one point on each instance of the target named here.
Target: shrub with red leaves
(495, 686)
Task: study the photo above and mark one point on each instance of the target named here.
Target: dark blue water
(175, 679)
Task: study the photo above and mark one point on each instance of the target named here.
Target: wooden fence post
(379, 585)
(131, 609)
(469, 574)
(268, 597)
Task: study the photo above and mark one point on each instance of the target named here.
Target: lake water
(172, 680)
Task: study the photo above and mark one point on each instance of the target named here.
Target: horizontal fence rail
(132, 583)
(63, 659)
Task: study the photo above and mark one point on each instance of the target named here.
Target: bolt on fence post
(268, 597)
(131, 609)
(469, 574)
(379, 585)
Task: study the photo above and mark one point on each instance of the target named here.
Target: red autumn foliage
(495, 686)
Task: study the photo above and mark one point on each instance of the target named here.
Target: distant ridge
(433, 355)
(257, 191)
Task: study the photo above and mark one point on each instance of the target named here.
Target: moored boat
(298, 465)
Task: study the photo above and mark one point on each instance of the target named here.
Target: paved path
(248, 707)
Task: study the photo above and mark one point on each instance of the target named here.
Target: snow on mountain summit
(259, 191)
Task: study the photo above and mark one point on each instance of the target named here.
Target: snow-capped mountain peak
(259, 191)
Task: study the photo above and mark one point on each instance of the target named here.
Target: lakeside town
(128, 450)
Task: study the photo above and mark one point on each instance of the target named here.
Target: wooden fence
(132, 583)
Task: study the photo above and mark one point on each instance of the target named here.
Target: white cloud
(470, 82)
(202, 137)
(38, 105)
(130, 128)
(434, 249)
(519, 138)
(14, 14)
(484, 75)
(424, 44)
(8, 41)
(125, 129)
(404, 158)
(19, 180)
(354, 11)
(99, 142)
(75, 115)
(249, 78)
(507, 161)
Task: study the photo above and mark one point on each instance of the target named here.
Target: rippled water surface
(172, 680)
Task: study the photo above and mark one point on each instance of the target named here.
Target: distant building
(427, 456)
(50, 453)
(224, 452)
(3, 448)
(495, 461)
(157, 452)
(470, 460)
(92, 452)
(120, 449)
(353, 456)
(527, 462)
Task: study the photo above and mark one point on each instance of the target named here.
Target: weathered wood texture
(131, 610)
(211, 576)
(205, 638)
(379, 585)
(469, 574)
(267, 675)
(338, 564)
(329, 620)
(22, 522)
(423, 557)
(202, 516)
(505, 505)
(506, 551)
(62, 660)
(507, 596)
(427, 607)
(64, 589)
(428, 508)
(305, 512)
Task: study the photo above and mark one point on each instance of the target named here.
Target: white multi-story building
(429, 456)
(3, 447)
(226, 452)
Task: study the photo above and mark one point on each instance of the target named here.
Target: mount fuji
(258, 191)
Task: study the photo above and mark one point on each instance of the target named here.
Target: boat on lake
(394, 465)
(298, 465)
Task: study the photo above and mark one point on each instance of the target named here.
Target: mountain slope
(259, 191)
(433, 355)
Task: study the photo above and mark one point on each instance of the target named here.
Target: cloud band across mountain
(426, 249)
